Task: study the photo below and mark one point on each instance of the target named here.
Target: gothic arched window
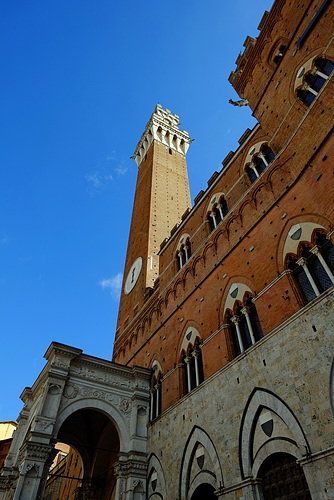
(314, 80)
(218, 212)
(313, 266)
(184, 253)
(244, 324)
(260, 161)
(193, 367)
(155, 391)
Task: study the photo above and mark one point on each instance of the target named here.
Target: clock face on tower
(133, 275)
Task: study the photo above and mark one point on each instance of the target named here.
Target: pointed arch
(179, 284)
(197, 260)
(193, 472)
(251, 201)
(209, 246)
(190, 355)
(315, 219)
(151, 314)
(289, 438)
(188, 271)
(168, 294)
(156, 484)
(222, 233)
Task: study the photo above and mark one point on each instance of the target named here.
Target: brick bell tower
(162, 196)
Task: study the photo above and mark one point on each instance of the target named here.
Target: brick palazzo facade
(221, 384)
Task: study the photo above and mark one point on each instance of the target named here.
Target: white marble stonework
(71, 387)
(164, 128)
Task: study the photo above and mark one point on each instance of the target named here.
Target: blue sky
(80, 79)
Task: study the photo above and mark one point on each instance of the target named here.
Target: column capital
(245, 311)
(315, 250)
(301, 262)
(235, 319)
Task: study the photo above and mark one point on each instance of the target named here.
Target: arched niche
(268, 425)
(200, 464)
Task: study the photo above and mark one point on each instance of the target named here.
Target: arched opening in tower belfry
(95, 438)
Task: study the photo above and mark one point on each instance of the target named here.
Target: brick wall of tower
(162, 196)
(170, 197)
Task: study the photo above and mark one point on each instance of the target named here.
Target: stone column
(253, 167)
(131, 478)
(302, 262)
(35, 460)
(151, 404)
(187, 361)
(120, 473)
(220, 210)
(316, 251)
(261, 155)
(245, 312)
(186, 253)
(236, 320)
(213, 217)
(195, 356)
(180, 259)
(157, 402)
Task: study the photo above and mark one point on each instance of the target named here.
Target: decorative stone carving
(96, 393)
(30, 467)
(7, 482)
(53, 398)
(43, 424)
(35, 451)
(71, 391)
(137, 483)
(54, 389)
(125, 405)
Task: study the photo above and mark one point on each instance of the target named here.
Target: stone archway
(95, 438)
(282, 478)
(268, 425)
(200, 466)
(96, 406)
(204, 491)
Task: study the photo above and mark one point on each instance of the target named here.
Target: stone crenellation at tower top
(163, 127)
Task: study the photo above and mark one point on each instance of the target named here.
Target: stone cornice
(162, 127)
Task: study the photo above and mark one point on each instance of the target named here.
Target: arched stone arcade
(97, 407)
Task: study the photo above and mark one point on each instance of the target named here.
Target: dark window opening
(260, 162)
(193, 368)
(184, 254)
(219, 211)
(314, 269)
(314, 81)
(244, 326)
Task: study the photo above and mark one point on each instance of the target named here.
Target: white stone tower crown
(164, 128)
